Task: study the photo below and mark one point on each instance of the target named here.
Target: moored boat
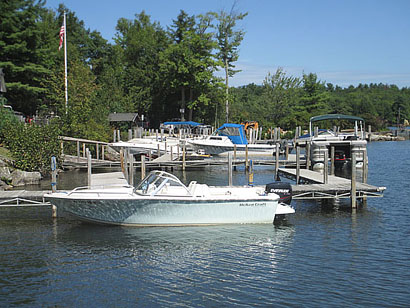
(161, 199)
(227, 138)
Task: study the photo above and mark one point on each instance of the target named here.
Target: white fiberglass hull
(218, 149)
(162, 211)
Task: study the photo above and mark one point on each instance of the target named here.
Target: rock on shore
(16, 177)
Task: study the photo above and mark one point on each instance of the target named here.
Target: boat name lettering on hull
(262, 204)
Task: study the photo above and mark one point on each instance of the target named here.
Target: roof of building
(123, 117)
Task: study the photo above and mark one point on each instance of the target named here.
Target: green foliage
(21, 53)
(188, 65)
(6, 118)
(32, 146)
(156, 72)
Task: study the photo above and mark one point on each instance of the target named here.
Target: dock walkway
(336, 187)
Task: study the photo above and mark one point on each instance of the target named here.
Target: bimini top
(235, 132)
(335, 117)
(182, 123)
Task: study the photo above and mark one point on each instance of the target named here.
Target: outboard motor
(284, 190)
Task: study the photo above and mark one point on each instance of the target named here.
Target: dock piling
(297, 164)
(353, 182)
(142, 167)
(326, 166)
(332, 160)
(277, 150)
(88, 167)
(229, 169)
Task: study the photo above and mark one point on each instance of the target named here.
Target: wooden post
(172, 153)
(277, 161)
(287, 150)
(53, 184)
(234, 157)
(142, 167)
(307, 153)
(114, 139)
(183, 157)
(325, 166)
(78, 150)
(122, 159)
(275, 134)
(229, 169)
(353, 182)
(102, 152)
(126, 160)
(162, 134)
(370, 132)
(332, 160)
(118, 135)
(297, 164)
(84, 151)
(316, 131)
(98, 150)
(158, 150)
(88, 167)
(246, 158)
(156, 134)
(131, 172)
(365, 166)
(296, 134)
(251, 135)
(62, 147)
(53, 174)
(250, 177)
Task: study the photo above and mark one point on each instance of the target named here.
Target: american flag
(61, 36)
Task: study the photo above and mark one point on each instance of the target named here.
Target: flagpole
(65, 65)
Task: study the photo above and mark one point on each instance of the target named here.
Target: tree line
(160, 72)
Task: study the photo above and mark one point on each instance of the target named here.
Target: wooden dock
(13, 198)
(165, 161)
(335, 188)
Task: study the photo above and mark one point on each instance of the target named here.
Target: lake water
(319, 257)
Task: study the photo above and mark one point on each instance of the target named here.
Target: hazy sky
(345, 42)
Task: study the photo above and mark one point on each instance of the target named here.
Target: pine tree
(20, 53)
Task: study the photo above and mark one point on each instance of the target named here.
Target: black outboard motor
(284, 190)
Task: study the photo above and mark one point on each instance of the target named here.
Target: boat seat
(198, 190)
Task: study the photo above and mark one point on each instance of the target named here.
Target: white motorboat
(228, 137)
(146, 145)
(161, 199)
(344, 142)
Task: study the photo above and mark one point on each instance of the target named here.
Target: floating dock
(335, 188)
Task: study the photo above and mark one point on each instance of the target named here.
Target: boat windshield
(228, 131)
(234, 132)
(155, 181)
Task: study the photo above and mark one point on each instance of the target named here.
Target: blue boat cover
(235, 132)
(186, 123)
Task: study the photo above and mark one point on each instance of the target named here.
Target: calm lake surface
(319, 257)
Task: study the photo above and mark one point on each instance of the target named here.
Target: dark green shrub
(32, 146)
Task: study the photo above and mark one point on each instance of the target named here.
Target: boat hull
(168, 212)
(215, 149)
